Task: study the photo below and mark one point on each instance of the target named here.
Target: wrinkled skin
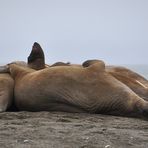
(130, 78)
(36, 61)
(133, 80)
(75, 89)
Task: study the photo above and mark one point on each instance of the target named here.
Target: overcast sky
(115, 31)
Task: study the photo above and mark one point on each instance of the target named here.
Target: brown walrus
(130, 78)
(6, 88)
(133, 80)
(6, 91)
(75, 89)
(35, 61)
(136, 82)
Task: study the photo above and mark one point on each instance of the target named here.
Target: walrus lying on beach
(6, 88)
(130, 78)
(133, 80)
(7, 82)
(74, 89)
(36, 60)
(6, 91)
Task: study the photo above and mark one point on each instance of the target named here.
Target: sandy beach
(67, 130)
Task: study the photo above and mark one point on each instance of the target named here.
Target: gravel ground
(68, 130)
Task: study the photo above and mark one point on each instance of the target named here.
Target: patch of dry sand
(67, 130)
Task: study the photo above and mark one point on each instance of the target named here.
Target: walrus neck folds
(18, 71)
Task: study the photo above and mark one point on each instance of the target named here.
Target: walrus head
(94, 64)
(5, 68)
(36, 59)
(60, 64)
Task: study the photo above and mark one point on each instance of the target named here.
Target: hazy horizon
(112, 30)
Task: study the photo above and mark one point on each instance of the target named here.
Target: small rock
(25, 141)
(131, 137)
(107, 146)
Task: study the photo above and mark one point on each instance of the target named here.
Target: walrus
(130, 78)
(6, 91)
(35, 61)
(75, 89)
(133, 80)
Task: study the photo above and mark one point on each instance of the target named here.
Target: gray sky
(115, 31)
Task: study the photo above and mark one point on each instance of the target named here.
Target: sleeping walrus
(7, 82)
(6, 91)
(74, 89)
(136, 82)
(130, 78)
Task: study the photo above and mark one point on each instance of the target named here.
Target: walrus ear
(94, 64)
